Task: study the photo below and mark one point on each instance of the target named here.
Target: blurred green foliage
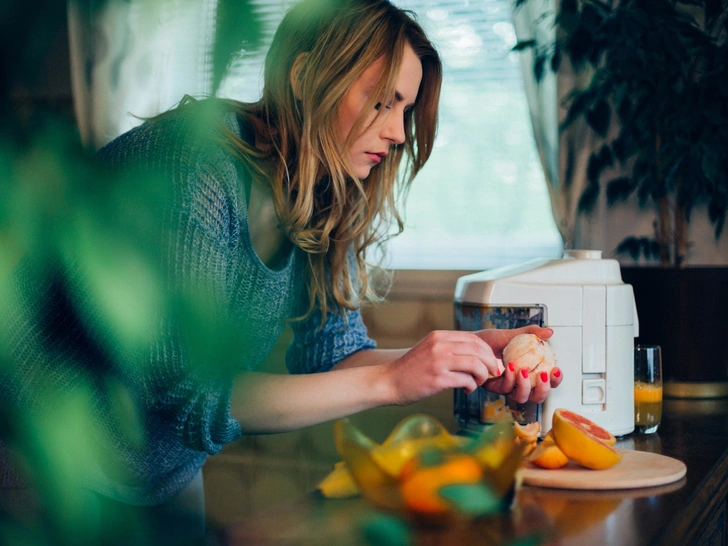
(59, 210)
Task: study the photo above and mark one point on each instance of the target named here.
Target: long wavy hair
(297, 139)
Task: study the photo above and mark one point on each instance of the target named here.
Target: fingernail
(524, 373)
(550, 330)
(511, 366)
(557, 373)
(544, 377)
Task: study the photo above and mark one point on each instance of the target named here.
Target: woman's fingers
(522, 391)
(543, 333)
(466, 382)
(517, 384)
(556, 377)
(542, 388)
(505, 382)
(498, 339)
(478, 349)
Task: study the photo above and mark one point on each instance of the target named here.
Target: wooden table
(691, 511)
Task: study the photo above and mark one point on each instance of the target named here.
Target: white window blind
(481, 201)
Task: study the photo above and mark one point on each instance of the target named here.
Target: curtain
(565, 155)
(132, 59)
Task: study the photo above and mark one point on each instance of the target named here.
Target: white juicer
(594, 318)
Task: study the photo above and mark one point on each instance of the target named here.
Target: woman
(274, 207)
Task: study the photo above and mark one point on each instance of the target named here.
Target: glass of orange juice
(647, 388)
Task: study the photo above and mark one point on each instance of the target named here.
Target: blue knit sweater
(186, 415)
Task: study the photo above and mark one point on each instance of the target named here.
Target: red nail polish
(544, 377)
(511, 366)
(557, 373)
(524, 373)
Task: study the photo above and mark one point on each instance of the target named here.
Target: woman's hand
(444, 359)
(518, 385)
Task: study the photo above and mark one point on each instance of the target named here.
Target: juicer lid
(564, 285)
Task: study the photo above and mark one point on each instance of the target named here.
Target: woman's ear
(295, 70)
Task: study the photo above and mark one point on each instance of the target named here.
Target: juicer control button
(594, 391)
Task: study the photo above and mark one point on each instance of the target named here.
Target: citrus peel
(530, 352)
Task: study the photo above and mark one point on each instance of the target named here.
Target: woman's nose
(393, 129)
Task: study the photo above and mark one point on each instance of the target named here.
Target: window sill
(424, 284)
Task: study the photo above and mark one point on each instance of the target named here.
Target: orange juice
(647, 404)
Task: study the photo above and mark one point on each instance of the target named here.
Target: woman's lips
(377, 158)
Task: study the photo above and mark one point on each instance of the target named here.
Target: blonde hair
(337, 40)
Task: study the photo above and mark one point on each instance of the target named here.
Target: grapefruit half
(583, 441)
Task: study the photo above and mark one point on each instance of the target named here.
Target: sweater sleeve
(318, 349)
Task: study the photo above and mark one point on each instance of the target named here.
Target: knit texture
(52, 331)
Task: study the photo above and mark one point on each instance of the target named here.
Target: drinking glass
(647, 388)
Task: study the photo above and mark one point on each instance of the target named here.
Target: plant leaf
(568, 6)
(599, 117)
(471, 499)
(631, 246)
(594, 168)
(556, 58)
(386, 530)
(588, 198)
(524, 44)
(237, 29)
(619, 189)
(538, 67)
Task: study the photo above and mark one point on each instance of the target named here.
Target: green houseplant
(657, 97)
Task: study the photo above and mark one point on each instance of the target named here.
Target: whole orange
(422, 478)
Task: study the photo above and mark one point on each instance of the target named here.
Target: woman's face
(371, 146)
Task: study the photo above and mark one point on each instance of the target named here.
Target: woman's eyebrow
(399, 98)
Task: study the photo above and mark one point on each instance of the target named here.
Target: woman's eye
(379, 106)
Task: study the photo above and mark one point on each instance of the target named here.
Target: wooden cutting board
(636, 469)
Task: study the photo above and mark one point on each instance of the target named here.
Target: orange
(548, 455)
(495, 411)
(420, 485)
(529, 431)
(583, 441)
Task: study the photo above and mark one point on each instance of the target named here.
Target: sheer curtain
(134, 59)
(563, 155)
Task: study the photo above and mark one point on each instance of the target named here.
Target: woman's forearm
(266, 403)
(370, 358)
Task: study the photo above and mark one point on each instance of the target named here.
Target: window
(481, 201)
